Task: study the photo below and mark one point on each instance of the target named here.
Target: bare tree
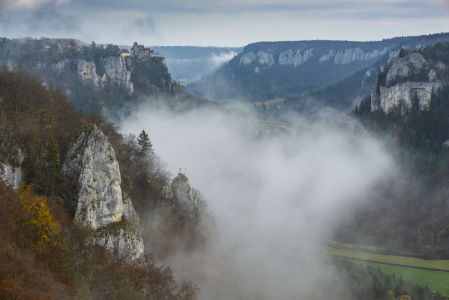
(197, 205)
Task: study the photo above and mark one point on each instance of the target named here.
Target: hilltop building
(141, 52)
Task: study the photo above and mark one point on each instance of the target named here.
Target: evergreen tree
(145, 144)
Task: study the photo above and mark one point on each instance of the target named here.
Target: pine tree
(145, 144)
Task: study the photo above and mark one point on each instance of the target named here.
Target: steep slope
(91, 173)
(290, 69)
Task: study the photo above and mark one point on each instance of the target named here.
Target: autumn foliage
(43, 253)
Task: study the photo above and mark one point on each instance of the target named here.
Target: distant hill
(301, 69)
(189, 64)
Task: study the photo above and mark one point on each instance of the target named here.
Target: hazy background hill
(295, 70)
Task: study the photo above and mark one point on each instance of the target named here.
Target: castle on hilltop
(141, 52)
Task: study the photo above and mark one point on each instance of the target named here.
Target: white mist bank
(267, 199)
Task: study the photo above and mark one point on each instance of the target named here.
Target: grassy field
(388, 259)
(236, 105)
(437, 281)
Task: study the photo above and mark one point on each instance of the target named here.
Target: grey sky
(221, 22)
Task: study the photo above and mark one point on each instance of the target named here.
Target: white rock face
(181, 189)
(12, 176)
(298, 59)
(115, 71)
(406, 66)
(328, 56)
(265, 58)
(287, 58)
(348, 56)
(87, 72)
(123, 238)
(92, 169)
(247, 58)
(440, 65)
(403, 94)
(307, 54)
(376, 53)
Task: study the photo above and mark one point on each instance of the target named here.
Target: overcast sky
(221, 22)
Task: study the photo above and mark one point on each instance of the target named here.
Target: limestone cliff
(10, 169)
(410, 65)
(12, 175)
(115, 72)
(92, 172)
(407, 78)
(87, 72)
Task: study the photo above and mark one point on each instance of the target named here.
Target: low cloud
(221, 58)
(48, 21)
(28, 4)
(271, 199)
(145, 25)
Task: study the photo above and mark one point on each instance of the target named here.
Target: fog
(272, 200)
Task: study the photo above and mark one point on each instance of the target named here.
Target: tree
(403, 52)
(145, 144)
(197, 205)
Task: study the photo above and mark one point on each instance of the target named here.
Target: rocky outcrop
(87, 72)
(440, 65)
(10, 169)
(402, 95)
(264, 58)
(247, 58)
(349, 55)
(400, 92)
(298, 59)
(287, 58)
(11, 175)
(182, 191)
(327, 56)
(92, 173)
(409, 65)
(122, 238)
(116, 73)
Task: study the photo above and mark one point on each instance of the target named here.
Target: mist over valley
(225, 150)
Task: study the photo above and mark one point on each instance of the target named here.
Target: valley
(113, 170)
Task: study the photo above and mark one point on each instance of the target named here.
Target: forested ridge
(412, 215)
(45, 254)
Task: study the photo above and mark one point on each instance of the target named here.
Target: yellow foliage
(39, 219)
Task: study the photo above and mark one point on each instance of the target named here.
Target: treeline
(366, 282)
(45, 255)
